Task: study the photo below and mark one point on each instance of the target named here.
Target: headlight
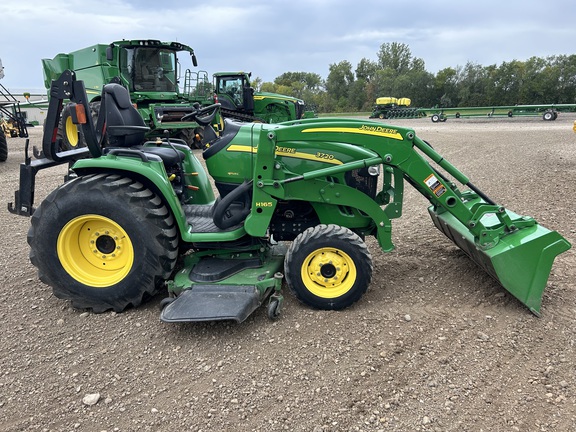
(374, 170)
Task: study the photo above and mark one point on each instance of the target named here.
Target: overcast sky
(271, 37)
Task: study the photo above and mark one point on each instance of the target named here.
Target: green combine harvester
(293, 206)
(151, 70)
(165, 86)
(394, 108)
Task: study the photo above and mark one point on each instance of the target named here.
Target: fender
(148, 169)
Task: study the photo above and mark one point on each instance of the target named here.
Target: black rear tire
(3, 146)
(103, 242)
(71, 136)
(94, 113)
(328, 267)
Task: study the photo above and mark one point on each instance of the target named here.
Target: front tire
(328, 267)
(103, 242)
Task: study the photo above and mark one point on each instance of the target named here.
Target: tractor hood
(276, 96)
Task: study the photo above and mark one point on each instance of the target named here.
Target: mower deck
(213, 302)
(225, 287)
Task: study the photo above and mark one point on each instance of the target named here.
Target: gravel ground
(434, 345)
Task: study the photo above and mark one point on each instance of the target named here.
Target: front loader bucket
(521, 261)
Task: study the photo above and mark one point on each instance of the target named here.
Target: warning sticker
(435, 186)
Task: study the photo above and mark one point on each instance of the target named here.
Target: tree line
(397, 73)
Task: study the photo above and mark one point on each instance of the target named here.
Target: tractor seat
(169, 156)
(124, 125)
(126, 128)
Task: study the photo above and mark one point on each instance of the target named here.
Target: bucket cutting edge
(521, 261)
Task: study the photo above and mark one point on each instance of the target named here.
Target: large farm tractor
(294, 203)
(238, 100)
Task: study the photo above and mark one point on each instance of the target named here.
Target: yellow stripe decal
(242, 149)
(363, 130)
(317, 157)
(289, 98)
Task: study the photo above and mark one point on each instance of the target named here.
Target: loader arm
(514, 249)
(397, 149)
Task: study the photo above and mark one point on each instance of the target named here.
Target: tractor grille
(171, 114)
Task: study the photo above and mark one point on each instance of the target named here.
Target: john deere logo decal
(363, 130)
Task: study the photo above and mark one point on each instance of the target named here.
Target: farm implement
(12, 123)
(548, 112)
(393, 108)
(293, 204)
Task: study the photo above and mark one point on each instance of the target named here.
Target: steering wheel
(202, 116)
(159, 72)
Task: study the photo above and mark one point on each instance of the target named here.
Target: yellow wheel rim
(71, 131)
(95, 250)
(328, 273)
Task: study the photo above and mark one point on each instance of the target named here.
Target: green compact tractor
(294, 203)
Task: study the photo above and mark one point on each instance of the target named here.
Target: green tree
(357, 97)
(256, 83)
(366, 70)
(308, 80)
(472, 85)
(395, 56)
(417, 85)
(535, 85)
(304, 85)
(565, 75)
(507, 81)
(338, 83)
(445, 92)
(268, 87)
(397, 73)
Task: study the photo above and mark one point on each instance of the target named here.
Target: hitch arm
(24, 197)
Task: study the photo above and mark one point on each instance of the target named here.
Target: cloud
(271, 37)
